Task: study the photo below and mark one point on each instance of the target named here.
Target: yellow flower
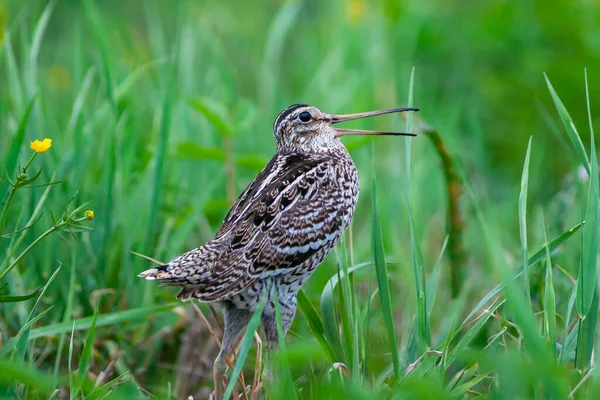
(41, 147)
(89, 215)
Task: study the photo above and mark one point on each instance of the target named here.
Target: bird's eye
(304, 116)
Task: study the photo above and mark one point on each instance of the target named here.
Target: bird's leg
(269, 324)
(235, 322)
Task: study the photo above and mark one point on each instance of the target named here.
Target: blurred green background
(161, 113)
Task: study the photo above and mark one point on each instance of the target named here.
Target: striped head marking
(302, 127)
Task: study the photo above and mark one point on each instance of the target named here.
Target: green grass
(161, 113)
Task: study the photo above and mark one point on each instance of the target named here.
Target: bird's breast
(349, 186)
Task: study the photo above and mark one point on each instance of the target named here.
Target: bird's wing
(281, 171)
(249, 194)
(292, 211)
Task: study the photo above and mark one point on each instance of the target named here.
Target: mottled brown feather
(283, 225)
(287, 214)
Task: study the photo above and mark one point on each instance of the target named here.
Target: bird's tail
(160, 274)
(196, 273)
(164, 275)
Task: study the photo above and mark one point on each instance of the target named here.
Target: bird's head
(302, 127)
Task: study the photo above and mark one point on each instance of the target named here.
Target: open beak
(347, 117)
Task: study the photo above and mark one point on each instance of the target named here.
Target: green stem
(34, 243)
(29, 162)
(5, 209)
(12, 193)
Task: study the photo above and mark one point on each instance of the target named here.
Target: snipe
(279, 230)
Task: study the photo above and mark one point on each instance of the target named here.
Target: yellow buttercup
(41, 146)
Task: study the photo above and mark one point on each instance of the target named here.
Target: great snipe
(280, 229)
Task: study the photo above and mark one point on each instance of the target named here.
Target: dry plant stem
(456, 224)
(147, 257)
(581, 382)
(216, 316)
(208, 325)
(218, 341)
(54, 394)
(561, 269)
(256, 384)
(411, 367)
(106, 373)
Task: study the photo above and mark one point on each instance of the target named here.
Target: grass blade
(348, 312)
(329, 309)
(12, 72)
(587, 298)
(67, 314)
(15, 147)
(315, 323)
(463, 389)
(417, 257)
(433, 281)
(16, 372)
(220, 123)
(245, 348)
(568, 349)
(569, 126)
(382, 280)
(86, 356)
(25, 334)
(586, 280)
(17, 299)
(38, 34)
(523, 221)
(71, 374)
(80, 100)
(470, 335)
(565, 350)
(420, 288)
(162, 147)
(136, 314)
(109, 171)
(408, 140)
(549, 301)
(285, 388)
(120, 317)
(536, 258)
(586, 337)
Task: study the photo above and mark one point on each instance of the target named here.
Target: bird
(280, 229)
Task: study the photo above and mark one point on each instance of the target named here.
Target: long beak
(348, 117)
(346, 132)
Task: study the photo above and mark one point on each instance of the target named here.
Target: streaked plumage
(294, 209)
(279, 230)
